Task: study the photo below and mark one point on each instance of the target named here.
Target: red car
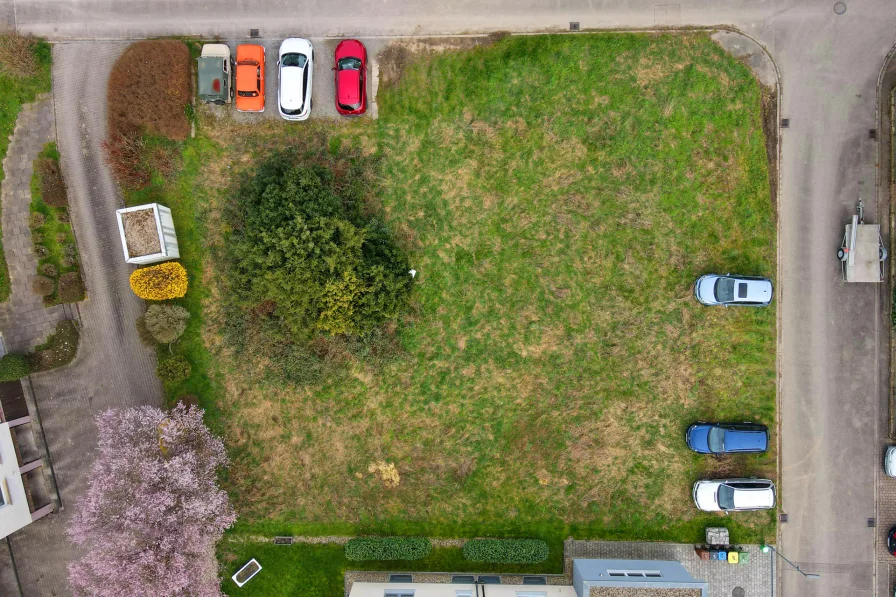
(351, 77)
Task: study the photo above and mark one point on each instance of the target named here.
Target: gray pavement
(832, 337)
(23, 318)
(112, 368)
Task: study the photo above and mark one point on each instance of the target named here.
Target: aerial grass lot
(558, 196)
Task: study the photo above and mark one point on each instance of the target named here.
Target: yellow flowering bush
(160, 282)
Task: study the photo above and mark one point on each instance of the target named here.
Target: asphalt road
(832, 337)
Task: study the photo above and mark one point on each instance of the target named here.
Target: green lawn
(14, 92)
(558, 196)
(317, 570)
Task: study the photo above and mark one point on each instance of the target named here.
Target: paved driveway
(112, 368)
(832, 337)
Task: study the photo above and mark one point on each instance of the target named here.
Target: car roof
(247, 77)
(349, 86)
(296, 44)
(744, 439)
(215, 51)
(754, 498)
(292, 92)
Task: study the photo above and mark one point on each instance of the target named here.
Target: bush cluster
(506, 551)
(43, 286)
(166, 323)
(13, 367)
(303, 248)
(387, 548)
(174, 370)
(160, 282)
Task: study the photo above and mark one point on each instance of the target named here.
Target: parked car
(728, 290)
(250, 78)
(727, 438)
(890, 461)
(734, 495)
(891, 541)
(215, 73)
(296, 66)
(351, 77)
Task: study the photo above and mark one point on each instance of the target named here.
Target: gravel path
(112, 368)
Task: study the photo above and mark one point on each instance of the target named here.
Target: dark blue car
(727, 438)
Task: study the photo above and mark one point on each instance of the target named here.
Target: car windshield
(726, 497)
(299, 60)
(716, 440)
(349, 64)
(724, 290)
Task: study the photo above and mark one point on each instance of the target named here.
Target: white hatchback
(295, 67)
(733, 495)
(890, 461)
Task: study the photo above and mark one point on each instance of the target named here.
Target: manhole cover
(738, 592)
(840, 8)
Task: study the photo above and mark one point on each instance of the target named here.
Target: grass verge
(317, 570)
(15, 91)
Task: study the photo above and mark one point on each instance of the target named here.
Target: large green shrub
(305, 255)
(13, 367)
(387, 548)
(506, 551)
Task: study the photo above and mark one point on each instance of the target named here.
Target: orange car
(250, 78)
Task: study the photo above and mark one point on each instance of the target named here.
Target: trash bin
(733, 557)
(723, 555)
(702, 553)
(744, 557)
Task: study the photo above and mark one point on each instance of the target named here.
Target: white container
(164, 232)
(249, 563)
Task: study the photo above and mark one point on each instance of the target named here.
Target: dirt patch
(52, 187)
(149, 88)
(140, 233)
(770, 129)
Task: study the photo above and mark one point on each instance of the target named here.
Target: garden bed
(58, 270)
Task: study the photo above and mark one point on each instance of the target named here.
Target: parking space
(323, 89)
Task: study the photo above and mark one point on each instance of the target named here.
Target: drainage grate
(782, 517)
(283, 540)
(738, 592)
(573, 25)
(839, 8)
(872, 133)
(253, 33)
(871, 523)
(489, 580)
(785, 123)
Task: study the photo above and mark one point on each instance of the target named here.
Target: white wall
(15, 514)
(378, 589)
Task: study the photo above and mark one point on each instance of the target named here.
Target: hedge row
(506, 551)
(387, 548)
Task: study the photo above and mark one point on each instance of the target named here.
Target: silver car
(295, 68)
(890, 461)
(729, 290)
(734, 495)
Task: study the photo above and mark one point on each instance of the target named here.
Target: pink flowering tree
(153, 511)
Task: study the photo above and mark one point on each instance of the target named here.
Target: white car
(734, 495)
(295, 67)
(890, 461)
(728, 290)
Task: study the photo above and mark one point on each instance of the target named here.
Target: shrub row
(506, 551)
(387, 548)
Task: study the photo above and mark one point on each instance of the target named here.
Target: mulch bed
(141, 233)
(149, 88)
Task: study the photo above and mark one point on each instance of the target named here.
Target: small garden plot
(58, 271)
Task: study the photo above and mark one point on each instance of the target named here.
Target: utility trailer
(862, 253)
